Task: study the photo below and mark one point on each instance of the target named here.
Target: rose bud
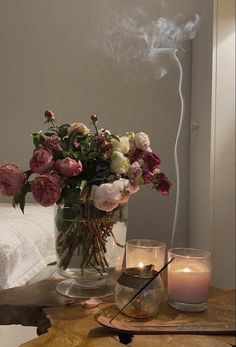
(42, 161)
(49, 114)
(46, 189)
(69, 167)
(94, 118)
(12, 179)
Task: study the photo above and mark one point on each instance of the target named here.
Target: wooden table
(40, 305)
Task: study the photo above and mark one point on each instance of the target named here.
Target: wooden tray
(218, 319)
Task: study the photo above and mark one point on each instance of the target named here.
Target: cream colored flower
(122, 145)
(81, 128)
(119, 163)
(141, 141)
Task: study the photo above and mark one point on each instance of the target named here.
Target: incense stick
(141, 289)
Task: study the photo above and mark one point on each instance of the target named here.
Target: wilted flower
(80, 127)
(164, 184)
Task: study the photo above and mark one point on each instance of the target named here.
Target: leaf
(115, 137)
(38, 139)
(62, 130)
(28, 173)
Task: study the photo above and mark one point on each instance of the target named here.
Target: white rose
(119, 163)
(141, 141)
(122, 145)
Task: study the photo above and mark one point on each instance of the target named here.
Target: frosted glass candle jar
(141, 252)
(189, 277)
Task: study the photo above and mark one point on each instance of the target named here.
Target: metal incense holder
(146, 304)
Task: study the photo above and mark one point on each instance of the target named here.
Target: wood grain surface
(73, 326)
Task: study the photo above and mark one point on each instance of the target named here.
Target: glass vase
(90, 246)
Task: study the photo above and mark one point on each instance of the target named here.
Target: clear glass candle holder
(141, 252)
(146, 304)
(189, 277)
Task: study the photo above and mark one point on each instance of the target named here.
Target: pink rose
(52, 143)
(134, 170)
(106, 197)
(152, 160)
(69, 167)
(141, 141)
(46, 189)
(123, 186)
(42, 161)
(164, 184)
(49, 114)
(12, 179)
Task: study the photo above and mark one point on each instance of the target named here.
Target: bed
(27, 244)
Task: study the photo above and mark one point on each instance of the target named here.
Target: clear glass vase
(90, 246)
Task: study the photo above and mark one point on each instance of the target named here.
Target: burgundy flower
(46, 189)
(49, 114)
(136, 155)
(42, 161)
(147, 177)
(12, 179)
(68, 167)
(53, 143)
(164, 184)
(152, 160)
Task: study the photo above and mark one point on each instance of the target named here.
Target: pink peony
(49, 114)
(164, 184)
(152, 160)
(69, 167)
(141, 141)
(12, 179)
(106, 197)
(46, 189)
(52, 143)
(42, 161)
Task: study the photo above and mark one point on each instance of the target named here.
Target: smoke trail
(131, 44)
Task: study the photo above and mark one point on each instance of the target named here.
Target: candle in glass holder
(189, 278)
(141, 252)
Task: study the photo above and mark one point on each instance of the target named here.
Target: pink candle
(188, 282)
(189, 277)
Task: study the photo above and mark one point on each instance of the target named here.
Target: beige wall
(212, 164)
(46, 62)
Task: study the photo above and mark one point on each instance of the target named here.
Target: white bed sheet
(27, 243)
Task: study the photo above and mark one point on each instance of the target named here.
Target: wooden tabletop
(40, 305)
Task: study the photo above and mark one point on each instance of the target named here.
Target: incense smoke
(132, 45)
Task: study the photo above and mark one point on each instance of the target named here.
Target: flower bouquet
(90, 176)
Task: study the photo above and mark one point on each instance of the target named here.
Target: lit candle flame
(186, 269)
(141, 264)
